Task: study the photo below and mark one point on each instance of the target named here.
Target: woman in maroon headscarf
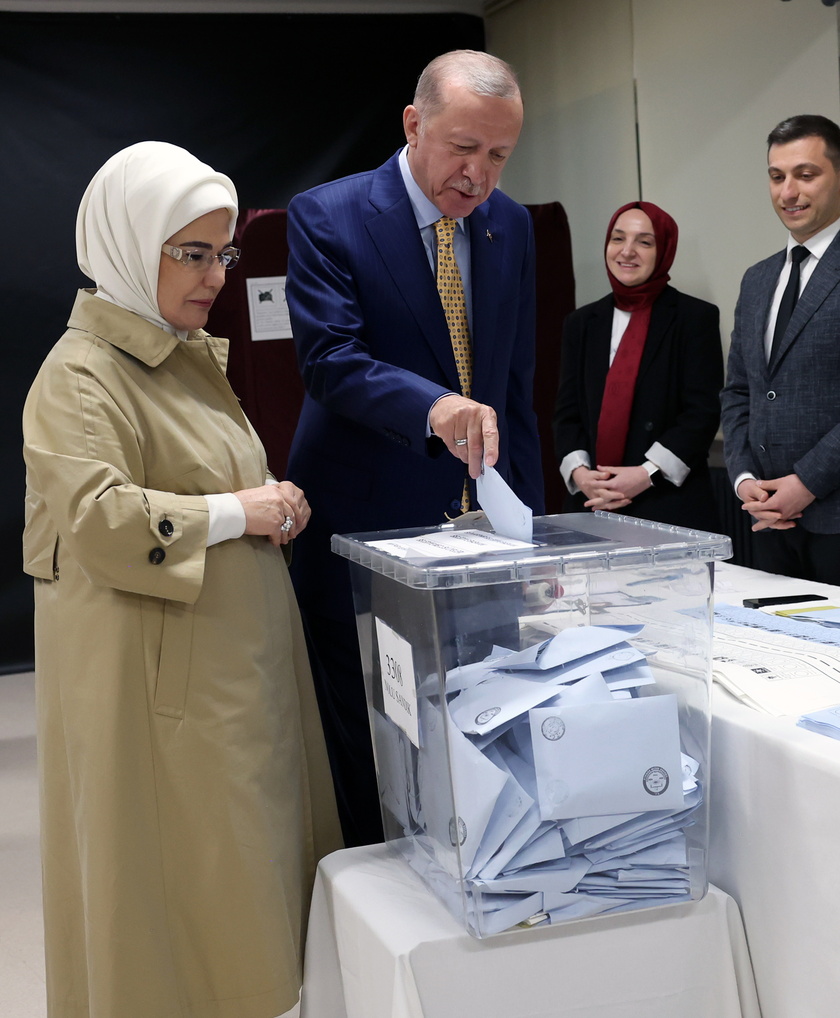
(640, 374)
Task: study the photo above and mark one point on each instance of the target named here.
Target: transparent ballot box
(540, 711)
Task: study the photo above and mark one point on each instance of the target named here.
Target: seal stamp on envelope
(656, 780)
(461, 828)
(487, 715)
(553, 728)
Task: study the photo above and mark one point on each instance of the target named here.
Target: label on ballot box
(542, 759)
(399, 691)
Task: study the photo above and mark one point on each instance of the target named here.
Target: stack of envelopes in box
(571, 791)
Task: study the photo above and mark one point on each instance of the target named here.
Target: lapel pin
(490, 236)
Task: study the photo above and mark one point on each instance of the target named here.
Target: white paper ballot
(507, 513)
(600, 758)
(445, 544)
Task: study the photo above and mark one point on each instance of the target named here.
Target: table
(381, 946)
(775, 833)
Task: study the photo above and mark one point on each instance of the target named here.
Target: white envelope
(591, 688)
(572, 644)
(585, 905)
(495, 701)
(612, 660)
(508, 514)
(500, 912)
(500, 699)
(558, 878)
(476, 785)
(512, 804)
(602, 758)
(468, 675)
(568, 646)
(544, 847)
(518, 837)
(630, 676)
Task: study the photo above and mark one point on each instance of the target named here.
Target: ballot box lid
(468, 553)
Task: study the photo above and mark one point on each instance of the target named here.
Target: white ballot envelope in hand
(595, 759)
(508, 514)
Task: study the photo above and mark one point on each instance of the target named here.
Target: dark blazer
(675, 401)
(374, 351)
(784, 417)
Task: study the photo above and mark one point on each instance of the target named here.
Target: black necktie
(789, 297)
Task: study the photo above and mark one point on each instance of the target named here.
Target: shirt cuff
(227, 518)
(742, 477)
(670, 466)
(429, 431)
(568, 465)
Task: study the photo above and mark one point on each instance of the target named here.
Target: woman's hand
(267, 510)
(611, 488)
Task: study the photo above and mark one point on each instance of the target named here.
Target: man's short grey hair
(479, 72)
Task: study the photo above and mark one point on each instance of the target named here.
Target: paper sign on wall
(267, 308)
(399, 691)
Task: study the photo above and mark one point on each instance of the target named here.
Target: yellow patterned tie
(451, 291)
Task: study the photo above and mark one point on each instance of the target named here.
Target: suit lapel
(487, 248)
(597, 334)
(394, 233)
(823, 281)
(661, 316)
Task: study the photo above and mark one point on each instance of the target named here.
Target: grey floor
(21, 929)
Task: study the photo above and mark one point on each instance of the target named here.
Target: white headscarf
(136, 202)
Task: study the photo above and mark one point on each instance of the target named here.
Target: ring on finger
(460, 441)
(287, 524)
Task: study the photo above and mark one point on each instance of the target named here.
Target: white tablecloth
(775, 833)
(381, 946)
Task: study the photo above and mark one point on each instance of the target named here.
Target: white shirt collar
(819, 243)
(425, 212)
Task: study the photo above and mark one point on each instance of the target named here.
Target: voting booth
(540, 711)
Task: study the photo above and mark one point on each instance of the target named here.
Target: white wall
(712, 77)
(578, 145)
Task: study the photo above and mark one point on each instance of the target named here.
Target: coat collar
(132, 334)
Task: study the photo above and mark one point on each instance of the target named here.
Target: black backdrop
(278, 102)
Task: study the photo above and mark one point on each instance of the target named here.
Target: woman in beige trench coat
(185, 792)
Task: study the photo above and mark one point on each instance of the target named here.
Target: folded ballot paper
(823, 722)
(571, 789)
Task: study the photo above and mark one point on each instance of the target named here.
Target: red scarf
(620, 385)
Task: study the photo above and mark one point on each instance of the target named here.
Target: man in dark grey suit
(781, 402)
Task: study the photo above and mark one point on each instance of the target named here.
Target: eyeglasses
(201, 261)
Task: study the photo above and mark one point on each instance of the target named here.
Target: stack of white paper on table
(775, 664)
(823, 722)
(571, 791)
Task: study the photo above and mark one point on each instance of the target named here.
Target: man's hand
(267, 509)
(611, 488)
(779, 510)
(454, 418)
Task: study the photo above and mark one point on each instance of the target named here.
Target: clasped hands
(266, 509)
(455, 418)
(611, 488)
(774, 504)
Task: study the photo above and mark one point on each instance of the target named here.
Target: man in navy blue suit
(781, 402)
(386, 437)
